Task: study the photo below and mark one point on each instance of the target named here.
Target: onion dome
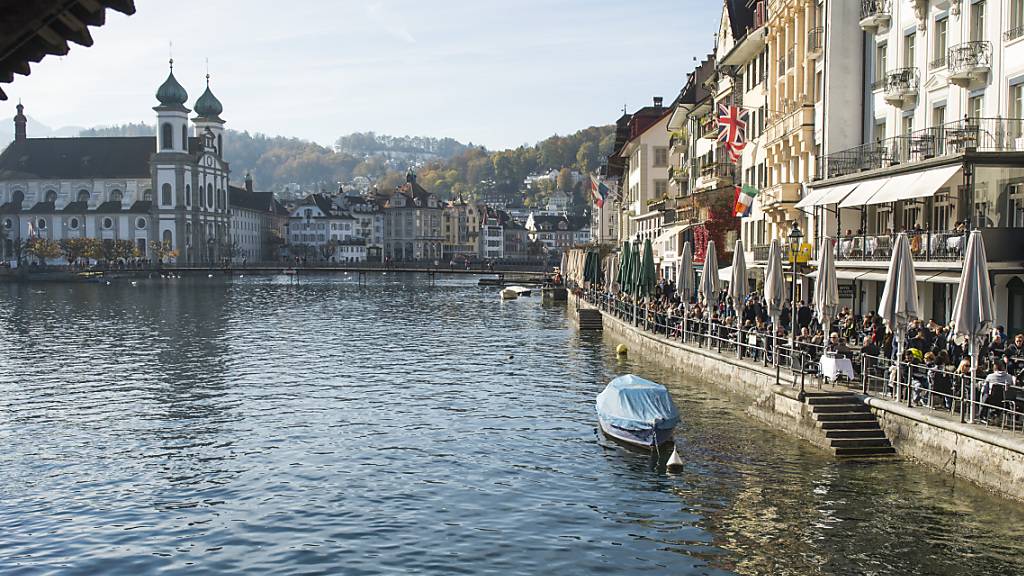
(207, 106)
(170, 92)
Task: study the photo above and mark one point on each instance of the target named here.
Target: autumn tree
(74, 248)
(42, 249)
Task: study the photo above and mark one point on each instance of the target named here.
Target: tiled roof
(78, 158)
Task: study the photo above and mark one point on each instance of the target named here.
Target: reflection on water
(402, 427)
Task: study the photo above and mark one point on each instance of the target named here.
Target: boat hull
(637, 438)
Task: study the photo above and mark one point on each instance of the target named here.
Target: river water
(403, 427)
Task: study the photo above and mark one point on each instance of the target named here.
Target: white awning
(863, 193)
(931, 182)
(896, 188)
(854, 275)
(668, 235)
(827, 195)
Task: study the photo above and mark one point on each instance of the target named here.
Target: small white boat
(520, 290)
(509, 294)
(637, 411)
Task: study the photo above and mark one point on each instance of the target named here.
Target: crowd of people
(935, 366)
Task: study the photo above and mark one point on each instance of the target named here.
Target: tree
(123, 250)
(94, 249)
(565, 183)
(43, 249)
(74, 248)
(162, 251)
(328, 249)
(587, 158)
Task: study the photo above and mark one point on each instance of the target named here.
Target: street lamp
(795, 236)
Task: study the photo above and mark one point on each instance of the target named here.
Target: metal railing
(938, 62)
(970, 56)
(1013, 33)
(761, 252)
(873, 8)
(815, 40)
(969, 134)
(926, 245)
(708, 126)
(716, 171)
(902, 82)
(926, 386)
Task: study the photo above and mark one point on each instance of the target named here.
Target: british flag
(732, 129)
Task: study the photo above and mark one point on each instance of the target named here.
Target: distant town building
(258, 223)
(412, 224)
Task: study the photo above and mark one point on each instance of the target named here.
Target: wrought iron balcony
(970, 134)
(713, 176)
(815, 41)
(874, 14)
(969, 61)
(1013, 33)
(938, 62)
(901, 85)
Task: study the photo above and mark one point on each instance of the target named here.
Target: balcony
(677, 142)
(791, 59)
(762, 251)
(714, 176)
(901, 86)
(679, 174)
(938, 62)
(708, 127)
(874, 14)
(773, 196)
(969, 61)
(1013, 33)
(815, 42)
(795, 115)
(968, 135)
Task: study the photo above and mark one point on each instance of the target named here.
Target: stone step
(865, 452)
(842, 416)
(860, 442)
(855, 433)
(833, 399)
(840, 408)
(849, 424)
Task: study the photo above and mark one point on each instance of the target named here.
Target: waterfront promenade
(778, 393)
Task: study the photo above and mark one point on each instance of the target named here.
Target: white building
(258, 223)
(170, 188)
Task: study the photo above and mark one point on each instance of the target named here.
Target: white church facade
(171, 188)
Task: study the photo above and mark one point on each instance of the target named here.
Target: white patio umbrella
(899, 298)
(973, 311)
(774, 290)
(738, 289)
(826, 293)
(709, 280)
(685, 287)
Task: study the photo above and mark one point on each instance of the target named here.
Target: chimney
(20, 123)
(658, 101)
(248, 182)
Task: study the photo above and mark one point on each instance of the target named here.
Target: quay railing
(925, 386)
(969, 134)
(926, 245)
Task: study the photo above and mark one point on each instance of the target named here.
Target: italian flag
(744, 200)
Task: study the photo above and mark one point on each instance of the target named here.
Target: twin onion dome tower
(172, 116)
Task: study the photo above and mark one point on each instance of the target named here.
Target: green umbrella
(587, 264)
(598, 269)
(634, 269)
(624, 283)
(647, 277)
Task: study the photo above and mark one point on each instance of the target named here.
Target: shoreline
(987, 459)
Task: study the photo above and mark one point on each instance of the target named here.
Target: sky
(492, 72)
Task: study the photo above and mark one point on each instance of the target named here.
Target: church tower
(208, 110)
(170, 165)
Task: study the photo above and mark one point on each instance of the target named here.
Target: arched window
(184, 137)
(166, 136)
(188, 194)
(83, 195)
(51, 195)
(18, 198)
(209, 196)
(116, 195)
(165, 195)
(167, 238)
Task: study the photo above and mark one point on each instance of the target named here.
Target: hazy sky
(493, 72)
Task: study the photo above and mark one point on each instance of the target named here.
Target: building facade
(413, 224)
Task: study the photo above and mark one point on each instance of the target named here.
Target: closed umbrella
(973, 311)
(899, 298)
(738, 289)
(686, 286)
(648, 277)
(709, 281)
(624, 267)
(826, 294)
(564, 268)
(774, 290)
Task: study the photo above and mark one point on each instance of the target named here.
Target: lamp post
(795, 236)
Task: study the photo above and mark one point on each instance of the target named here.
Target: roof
(257, 201)
(741, 16)
(78, 158)
(29, 31)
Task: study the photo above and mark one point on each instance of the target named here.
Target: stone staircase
(850, 428)
(590, 319)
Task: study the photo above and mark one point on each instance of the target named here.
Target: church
(171, 188)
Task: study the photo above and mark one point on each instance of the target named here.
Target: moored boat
(509, 294)
(637, 411)
(521, 290)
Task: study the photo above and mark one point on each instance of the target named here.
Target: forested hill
(444, 165)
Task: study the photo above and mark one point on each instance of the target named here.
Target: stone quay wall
(993, 461)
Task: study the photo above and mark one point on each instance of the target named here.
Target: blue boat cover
(634, 403)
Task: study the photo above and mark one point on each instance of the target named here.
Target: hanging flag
(732, 129)
(31, 230)
(598, 190)
(744, 200)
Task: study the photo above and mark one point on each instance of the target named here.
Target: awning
(947, 277)
(668, 235)
(827, 195)
(725, 274)
(932, 181)
(895, 189)
(854, 275)
(863, 193)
